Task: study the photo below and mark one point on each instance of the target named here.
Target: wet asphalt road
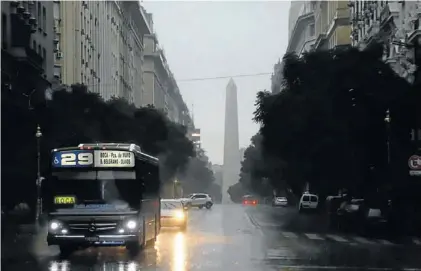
(231, 237)
(304, 242)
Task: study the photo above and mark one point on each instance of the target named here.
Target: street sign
(414, 163)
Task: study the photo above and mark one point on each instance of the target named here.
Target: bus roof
(114, 146)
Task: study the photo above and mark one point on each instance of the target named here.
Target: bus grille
(98, 227)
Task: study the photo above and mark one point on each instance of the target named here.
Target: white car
(308, 202)
(173, 214)
(199, 200)
(280, 201)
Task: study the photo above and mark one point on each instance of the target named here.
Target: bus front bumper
(99, 240)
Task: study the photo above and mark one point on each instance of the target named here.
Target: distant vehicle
(104, 194)
(308, 202)
(173, 214)
(199, 200)
(280, 201)
(249, 200)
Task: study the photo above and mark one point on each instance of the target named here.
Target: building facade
(111, 47)
(397, 24)
(277, 77)
(27, 49)
(100, 44)
(196, 138)
(332, 27)
(302, 27)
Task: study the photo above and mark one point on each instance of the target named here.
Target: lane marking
(416, 241)
(313, 236)
(363, 240)
(337, 238)
(385, 242)
(289, 234)
(255, 226)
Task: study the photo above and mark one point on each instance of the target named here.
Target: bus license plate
(64, 200)
(92, 239)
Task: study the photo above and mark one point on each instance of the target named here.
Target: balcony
(28, 56)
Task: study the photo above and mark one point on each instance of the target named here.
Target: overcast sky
(211, 39)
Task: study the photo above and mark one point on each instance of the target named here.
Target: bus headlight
(179, 215)
(54, 225)
(131, 224)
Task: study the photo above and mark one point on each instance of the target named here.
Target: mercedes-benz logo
(92, 227)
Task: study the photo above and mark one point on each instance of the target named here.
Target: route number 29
(82, 159)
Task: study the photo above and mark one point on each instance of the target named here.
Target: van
(308, 202)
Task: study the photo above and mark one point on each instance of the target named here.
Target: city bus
(102, 194)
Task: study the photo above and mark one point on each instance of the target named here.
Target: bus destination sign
(97, 158)
(107, 158)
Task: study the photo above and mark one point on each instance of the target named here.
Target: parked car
(280, 201)
(308, 202)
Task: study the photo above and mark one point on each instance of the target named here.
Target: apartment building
(332, 27)
(302, 28)
(162, 89)
(27, 49)
(277, 77)
(397, 24)
(100, 44)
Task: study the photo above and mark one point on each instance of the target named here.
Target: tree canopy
(327, 125)
(75, 115)
(198, 176)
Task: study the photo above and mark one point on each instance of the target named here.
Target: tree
(327, 125)
(198, 176)
(74, 116)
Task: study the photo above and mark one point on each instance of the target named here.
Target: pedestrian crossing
(349, 239)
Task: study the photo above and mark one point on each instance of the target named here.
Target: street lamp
(387, 120)
(174, 187)
(38, 135)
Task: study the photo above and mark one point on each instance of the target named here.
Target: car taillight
(245, 202)
(254, 202)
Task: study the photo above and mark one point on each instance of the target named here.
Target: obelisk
(231, 169)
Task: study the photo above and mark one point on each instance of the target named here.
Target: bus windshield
(105, 187)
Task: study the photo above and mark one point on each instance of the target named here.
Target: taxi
(173, 214)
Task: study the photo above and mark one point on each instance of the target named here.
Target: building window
(44, 18)
(3, 31)
(57, 71)
(44, 57)
(311, 30)
(56, 11)
(39, 14)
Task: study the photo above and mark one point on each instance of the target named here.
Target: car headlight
(179, 215)
(131, 224)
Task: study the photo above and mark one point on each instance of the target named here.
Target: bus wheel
(133, 248)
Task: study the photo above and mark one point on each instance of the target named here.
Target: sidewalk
(15, 245)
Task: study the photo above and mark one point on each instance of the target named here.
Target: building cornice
(301, 21)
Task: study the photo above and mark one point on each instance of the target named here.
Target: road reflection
(168, 253)
(179, 258)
